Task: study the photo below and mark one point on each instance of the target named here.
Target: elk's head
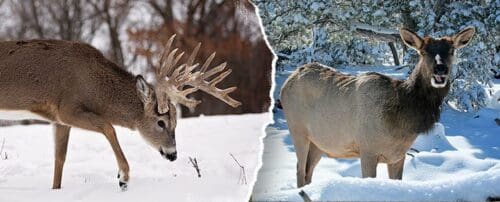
(436, 55)
(173, 83)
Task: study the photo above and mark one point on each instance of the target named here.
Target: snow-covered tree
(365, 33)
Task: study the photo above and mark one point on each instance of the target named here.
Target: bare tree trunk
(116, 48)
(113, 14)
(408, 22)
(4, 123)
(36, 24)
(439, 9)
(394, 53)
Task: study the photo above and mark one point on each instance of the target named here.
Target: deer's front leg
(123, 176)
(90, 121)
(61, 136)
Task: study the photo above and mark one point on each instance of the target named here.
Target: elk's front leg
(396, 169)
(61, 136)
(369, 165)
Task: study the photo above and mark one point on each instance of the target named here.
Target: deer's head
(174, 82)
(436, 55)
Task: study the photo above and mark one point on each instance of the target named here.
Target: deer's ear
(411, 39)
(144, 91)
(463, 38)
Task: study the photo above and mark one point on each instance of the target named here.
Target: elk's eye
(161, 124)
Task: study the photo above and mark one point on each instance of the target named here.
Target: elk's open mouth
(166, 153)
(439, 81)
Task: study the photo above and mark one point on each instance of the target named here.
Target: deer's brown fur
(72, 84)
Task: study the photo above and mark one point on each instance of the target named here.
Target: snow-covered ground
(26, 163)
(458, 160)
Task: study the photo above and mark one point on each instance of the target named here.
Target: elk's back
(338, 112)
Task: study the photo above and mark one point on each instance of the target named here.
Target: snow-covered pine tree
(304, 31)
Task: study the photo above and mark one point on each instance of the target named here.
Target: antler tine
(170, 63)
(193, 55)
(209, 86)
(186, 74)
(207, 62)
(166, 48)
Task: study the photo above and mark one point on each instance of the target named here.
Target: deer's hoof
(122, 180)
(123, 185)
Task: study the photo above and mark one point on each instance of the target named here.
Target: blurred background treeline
(365, 33)
(132, 32)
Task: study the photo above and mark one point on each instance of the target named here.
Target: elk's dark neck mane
(419, 102)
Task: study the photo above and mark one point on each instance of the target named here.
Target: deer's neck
(419, 101)
(124, 108)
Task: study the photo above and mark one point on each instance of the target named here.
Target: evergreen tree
(324, 31)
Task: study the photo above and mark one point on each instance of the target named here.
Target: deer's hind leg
(61, 136)
(301, 144)
(313, 158)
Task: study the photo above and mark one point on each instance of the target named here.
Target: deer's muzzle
(169, 153)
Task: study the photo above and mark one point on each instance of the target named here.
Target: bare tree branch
(394, 52)
(304, 196)
(243, 176)
(194, 162)
(377, 33)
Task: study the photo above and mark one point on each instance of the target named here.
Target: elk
(71, 84)
(371, 116)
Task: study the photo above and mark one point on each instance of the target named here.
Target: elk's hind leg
(61, 136)
(313, 158)
(301, 145)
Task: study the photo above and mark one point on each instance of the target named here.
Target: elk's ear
(463, 38)
(144, 91)
(411, 39)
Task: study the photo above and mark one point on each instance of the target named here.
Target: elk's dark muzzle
(441, 70)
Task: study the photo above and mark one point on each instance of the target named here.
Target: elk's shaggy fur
(370, 116)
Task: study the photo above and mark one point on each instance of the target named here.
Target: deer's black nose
(172, 156)
(440, 69)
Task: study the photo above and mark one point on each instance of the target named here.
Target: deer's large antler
(171, 79)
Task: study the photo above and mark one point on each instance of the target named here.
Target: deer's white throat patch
(19, 115)
(438, 59)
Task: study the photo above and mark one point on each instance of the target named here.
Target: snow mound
(473, 187)
(90, 169)
(433, 141)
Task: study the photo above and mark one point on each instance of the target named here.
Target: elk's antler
(172, 79)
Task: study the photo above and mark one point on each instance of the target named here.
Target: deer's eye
(161, 124)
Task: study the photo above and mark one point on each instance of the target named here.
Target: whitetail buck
(370, 116)
(71, 84)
